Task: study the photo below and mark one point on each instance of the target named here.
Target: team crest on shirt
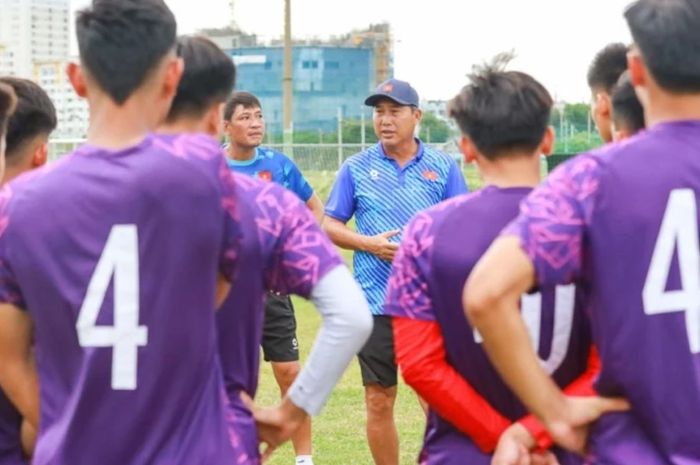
(430, 175)
(374, 175)
(265, 175)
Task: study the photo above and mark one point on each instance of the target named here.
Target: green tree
(434, 129)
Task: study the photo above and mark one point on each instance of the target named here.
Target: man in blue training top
(383, 187)
(245, 126)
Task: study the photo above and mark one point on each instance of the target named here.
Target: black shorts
(279, 340)
(377, 358)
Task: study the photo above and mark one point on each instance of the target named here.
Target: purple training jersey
(284, 250)
(116, 255)
(623, 223)
(439, 250)
(10, 440)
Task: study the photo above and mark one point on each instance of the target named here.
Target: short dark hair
(8, 101)
(502, 111)
(209, 77)
(121, 42)
(668, 36)
(246, 99)
(35, 115)
(607, 66)
(627, 111)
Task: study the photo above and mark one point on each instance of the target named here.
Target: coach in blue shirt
(383, 187)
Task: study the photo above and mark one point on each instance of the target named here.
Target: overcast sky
(438, 41)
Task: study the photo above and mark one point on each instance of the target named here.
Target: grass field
(339, 432)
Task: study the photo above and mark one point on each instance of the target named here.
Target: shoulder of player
(618, 152)
(188, 146)
(37, 184)
(196, 153)
(441, 212)
(266, 197)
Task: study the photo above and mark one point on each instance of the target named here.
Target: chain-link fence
(320, 162)
(309, 157)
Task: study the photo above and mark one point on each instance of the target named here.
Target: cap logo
(388, 88)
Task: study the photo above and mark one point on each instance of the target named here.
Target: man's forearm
(346, 323)
(316, 207)
(344, 237)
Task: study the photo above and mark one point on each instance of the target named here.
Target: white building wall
(31, 31)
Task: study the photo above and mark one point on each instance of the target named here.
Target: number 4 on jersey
(679, 229)
(119, 259)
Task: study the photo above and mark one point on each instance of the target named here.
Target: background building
(330, 77)
(71, 110)
(327, 80)
(32, 31)
(34, 44)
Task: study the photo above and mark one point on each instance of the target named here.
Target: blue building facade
(326, 78)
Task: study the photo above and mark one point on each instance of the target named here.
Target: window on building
(332, 65)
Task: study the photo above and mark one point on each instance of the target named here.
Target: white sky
(438, 41)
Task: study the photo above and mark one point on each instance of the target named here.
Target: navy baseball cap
(399, 91)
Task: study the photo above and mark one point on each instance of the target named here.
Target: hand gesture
(514, 448)
(275, 425)
(380, 246)
(571, 431)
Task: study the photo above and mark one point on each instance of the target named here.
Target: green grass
(339, 432)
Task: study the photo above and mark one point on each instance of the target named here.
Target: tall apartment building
(32, 31)
(71, 110)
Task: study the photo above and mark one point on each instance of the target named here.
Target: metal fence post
(340, 137)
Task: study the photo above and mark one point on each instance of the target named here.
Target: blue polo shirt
(383, 197)
(272, 166)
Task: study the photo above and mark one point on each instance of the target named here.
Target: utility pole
(288, 125)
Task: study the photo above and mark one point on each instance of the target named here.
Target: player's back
(462, 230)
(240, 320)
(283, 250)
(643, 266)
(115, 255)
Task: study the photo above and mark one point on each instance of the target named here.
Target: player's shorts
(279, 340)
(377, 358)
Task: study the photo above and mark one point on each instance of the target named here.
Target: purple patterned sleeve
(407, 294)
(301, 254)
(553, 220)
(10, 292)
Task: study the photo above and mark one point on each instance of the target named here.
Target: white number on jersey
(679, 230)
(119, 259)
(531, 309)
